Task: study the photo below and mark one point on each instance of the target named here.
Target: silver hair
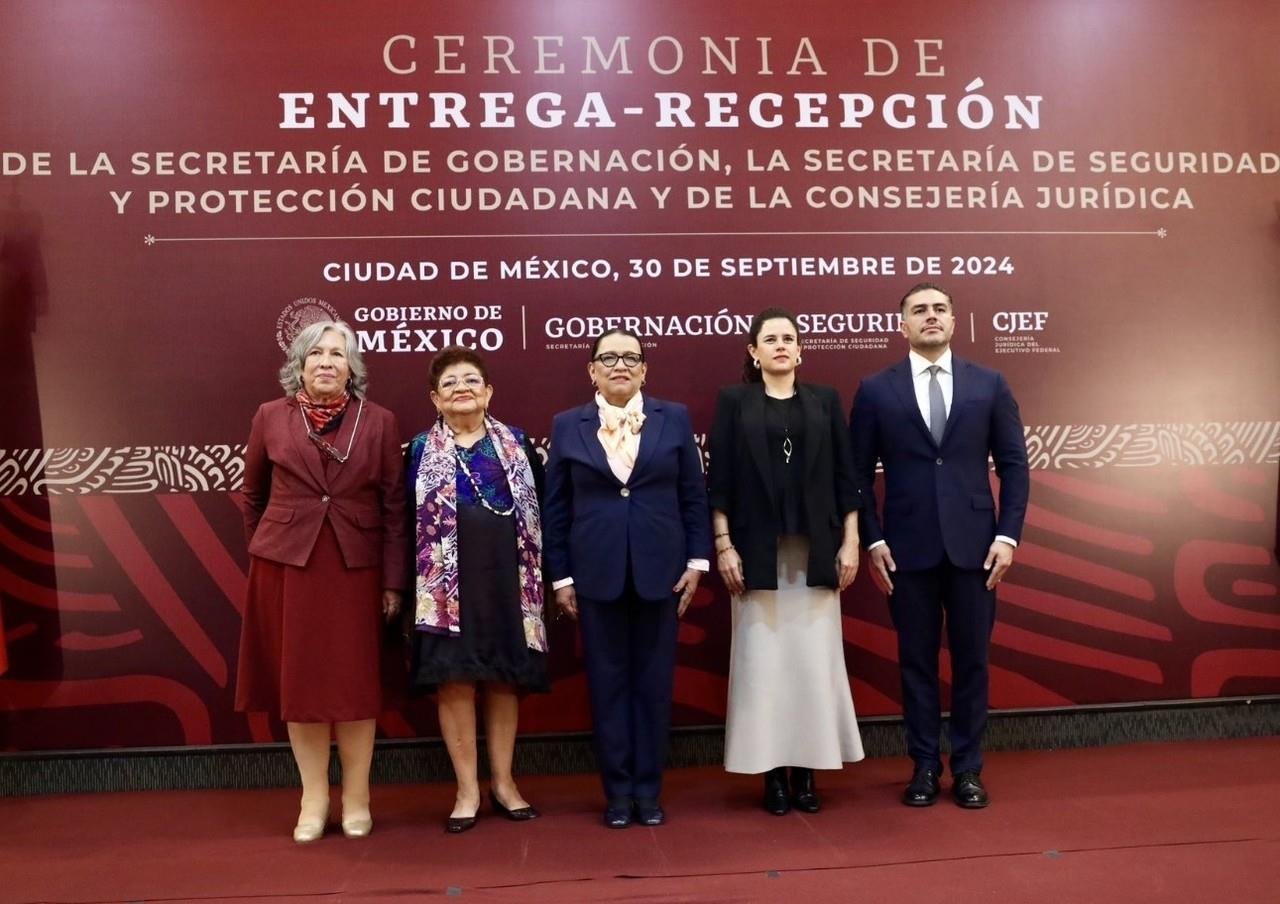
(307, 339)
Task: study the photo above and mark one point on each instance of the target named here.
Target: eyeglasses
(450, 385)
(611, 359)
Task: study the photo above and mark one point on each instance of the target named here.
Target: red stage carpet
(1175, 822)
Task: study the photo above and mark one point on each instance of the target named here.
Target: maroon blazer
(291, 487)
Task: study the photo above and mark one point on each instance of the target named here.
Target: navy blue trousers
(919, 601)
(629, 645)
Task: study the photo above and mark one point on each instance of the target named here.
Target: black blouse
(784, 429)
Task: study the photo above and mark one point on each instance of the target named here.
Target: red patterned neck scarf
(320, 414)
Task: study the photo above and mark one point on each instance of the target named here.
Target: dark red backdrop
(140, 343)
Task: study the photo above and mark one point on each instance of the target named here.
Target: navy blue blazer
(591, 522)
(937, 497)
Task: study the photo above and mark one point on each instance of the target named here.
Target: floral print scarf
(436, 534)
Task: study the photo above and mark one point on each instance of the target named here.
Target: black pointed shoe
(456, 825)
(923, 789)
(968, 790)
(519, 814)
(804, 796)
(776, 799)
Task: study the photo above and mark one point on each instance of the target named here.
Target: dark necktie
(937, 407)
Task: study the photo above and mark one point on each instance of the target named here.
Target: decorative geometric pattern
(128, 469)
(1148, 445)
(187, 469)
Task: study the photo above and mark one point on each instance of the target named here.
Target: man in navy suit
(626, 537)
(942, 545)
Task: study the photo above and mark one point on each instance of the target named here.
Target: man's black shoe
(923, 789)
(968, 791)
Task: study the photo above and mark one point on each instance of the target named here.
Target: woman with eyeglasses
(324, 518)
(785, 506)
(477, 609)
(627, 541)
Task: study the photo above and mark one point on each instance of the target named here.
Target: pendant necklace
(787, 447)
(326, 447)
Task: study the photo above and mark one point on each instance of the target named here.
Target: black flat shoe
(520, 814)
(617, 815)
(776, 800)
(650, 813)
(456, 825)
(804, 796)
(968, 791)
(922, 791)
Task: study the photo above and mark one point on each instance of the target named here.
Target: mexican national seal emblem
(300, 314)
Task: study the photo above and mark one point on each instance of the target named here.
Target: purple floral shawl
(436, 536)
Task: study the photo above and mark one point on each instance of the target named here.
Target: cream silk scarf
(619, 431)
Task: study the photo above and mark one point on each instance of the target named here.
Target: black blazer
(741, 478)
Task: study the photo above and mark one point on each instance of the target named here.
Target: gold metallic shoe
(357, 828)
(307, 832)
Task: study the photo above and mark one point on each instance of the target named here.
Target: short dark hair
(920, 287)
(455, 354)
(617, 331)
(751, 373)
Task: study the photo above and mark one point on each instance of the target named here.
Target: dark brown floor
(1197, 821)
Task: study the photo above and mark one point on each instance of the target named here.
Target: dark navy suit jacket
(592, 522)
(937, 497)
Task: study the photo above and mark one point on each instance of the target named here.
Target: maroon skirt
(310, 645)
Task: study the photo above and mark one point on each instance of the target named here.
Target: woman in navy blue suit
(625, 540)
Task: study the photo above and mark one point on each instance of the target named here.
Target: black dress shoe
(968, 791)
(923, 789)
(456, 825)
(520, 814)
(617, 815)
(650, 813)
(804, 796)
(776, 799)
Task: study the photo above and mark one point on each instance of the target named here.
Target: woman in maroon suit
(324, 517)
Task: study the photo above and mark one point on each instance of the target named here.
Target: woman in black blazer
(785, 514)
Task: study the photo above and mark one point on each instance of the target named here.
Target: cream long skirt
(789, 699)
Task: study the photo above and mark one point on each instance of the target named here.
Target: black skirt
(490, 645)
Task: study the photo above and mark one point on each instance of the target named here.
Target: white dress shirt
(920, 381)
